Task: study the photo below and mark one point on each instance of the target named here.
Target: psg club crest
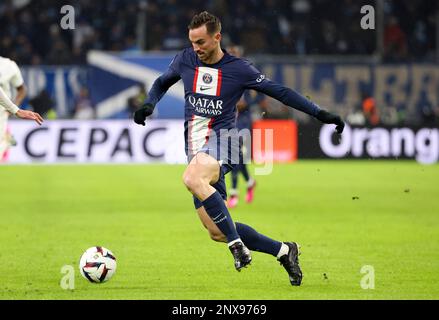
(207, 81)
(207, 78)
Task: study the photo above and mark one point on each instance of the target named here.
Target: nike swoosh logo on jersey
(205, 88)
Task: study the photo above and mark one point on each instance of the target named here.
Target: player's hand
(141, 114)
(329, 118)
(29, 115)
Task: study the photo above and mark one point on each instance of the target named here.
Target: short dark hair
(213, 23)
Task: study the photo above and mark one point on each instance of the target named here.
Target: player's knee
(192, 183)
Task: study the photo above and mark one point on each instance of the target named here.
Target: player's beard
(206, 56)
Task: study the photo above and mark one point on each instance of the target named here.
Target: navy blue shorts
(226, 150)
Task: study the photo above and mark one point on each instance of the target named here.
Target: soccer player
(214, 81)
(243, 122)
(10, 76)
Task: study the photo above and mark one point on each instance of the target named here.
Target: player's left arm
(158, 90)
(291, 98)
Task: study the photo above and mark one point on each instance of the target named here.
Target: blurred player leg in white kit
(4, 141)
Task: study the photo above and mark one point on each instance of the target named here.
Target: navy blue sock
(256, 241)
(235, 178)
(217, 210)
(244, 171)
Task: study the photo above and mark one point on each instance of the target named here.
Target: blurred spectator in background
(411, 26)
(30, 28)
(43, 104)
(370, 110)
(356, 117)
(174, 38)
(429, 114)
(391, 115)
(137, 101)
(30, 33)
(83, 106)
(395, 41)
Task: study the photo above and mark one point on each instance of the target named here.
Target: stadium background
(87, 81)
(321, 50)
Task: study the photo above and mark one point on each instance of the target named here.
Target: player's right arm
(21, 94)
(158, 90)
(6, 103)
(18, 83)
(289, 97)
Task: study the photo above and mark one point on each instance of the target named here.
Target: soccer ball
(97, 264)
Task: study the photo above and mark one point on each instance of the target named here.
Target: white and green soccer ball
(97, 264)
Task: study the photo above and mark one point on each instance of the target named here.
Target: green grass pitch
(344, 214)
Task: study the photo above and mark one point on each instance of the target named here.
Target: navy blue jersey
(212, 92)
